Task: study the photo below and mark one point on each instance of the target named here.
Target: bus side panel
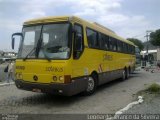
(108, 65)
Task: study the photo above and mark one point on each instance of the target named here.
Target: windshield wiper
(40, 47)
(32, 52)
(29, 53)
(45, 54)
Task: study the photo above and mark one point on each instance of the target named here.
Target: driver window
(78, 38)
(78, 41)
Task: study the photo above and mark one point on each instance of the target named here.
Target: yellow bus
(67, 55)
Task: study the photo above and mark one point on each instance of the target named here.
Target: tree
(155, 38)
(136, 42)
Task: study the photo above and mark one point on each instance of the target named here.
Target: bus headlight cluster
(19, 76)
(58, 78)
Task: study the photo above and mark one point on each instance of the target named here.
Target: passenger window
(119, 44)
(92, 37)
(106, 42)
(101, 41)
(114, 44)
(129, 48)
(110, 44)
(133, 50)
(125, 47)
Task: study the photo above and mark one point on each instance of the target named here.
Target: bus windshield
(45, 41)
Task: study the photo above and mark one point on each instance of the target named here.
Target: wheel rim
(91, 84)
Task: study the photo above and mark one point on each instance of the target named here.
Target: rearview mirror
(13, 39)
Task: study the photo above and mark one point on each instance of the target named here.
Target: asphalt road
(108, 98)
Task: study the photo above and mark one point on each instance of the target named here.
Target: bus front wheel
(91, 86)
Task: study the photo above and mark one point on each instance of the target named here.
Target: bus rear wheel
(91, 86)
(127, 73)
(123, 75)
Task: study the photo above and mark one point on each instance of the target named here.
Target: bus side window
(119, 46)
(134, 51)
(78, 41)
(124, 47)
(101, 41)
(92, 37)
(110, 44)
(127, 48)
(114, 44)
(106, 43)
(130, 49)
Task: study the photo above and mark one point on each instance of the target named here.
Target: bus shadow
(108, 85)
(41, 99)
(116, 82)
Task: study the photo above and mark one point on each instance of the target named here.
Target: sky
(128, 18)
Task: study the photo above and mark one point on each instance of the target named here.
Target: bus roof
(94, 25)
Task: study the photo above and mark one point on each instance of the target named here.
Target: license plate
(36, 90)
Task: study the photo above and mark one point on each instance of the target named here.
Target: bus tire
(123, 75)
(91, 86)
(127, 73)
(130, 71)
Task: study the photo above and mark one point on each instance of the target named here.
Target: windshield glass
(55, 42)
(31, 37)
(51, 40)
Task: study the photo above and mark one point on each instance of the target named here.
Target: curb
(6, 84)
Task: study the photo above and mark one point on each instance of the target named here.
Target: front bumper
(79, 85)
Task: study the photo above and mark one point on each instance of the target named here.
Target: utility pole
(147, 45)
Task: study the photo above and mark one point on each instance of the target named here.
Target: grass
(149, 93)
(154, 88)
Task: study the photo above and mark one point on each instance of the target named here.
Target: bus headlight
(61, 78)
(19, 76)
(54, 78)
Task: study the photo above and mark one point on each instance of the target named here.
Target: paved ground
(108, 99)
(151, 105)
